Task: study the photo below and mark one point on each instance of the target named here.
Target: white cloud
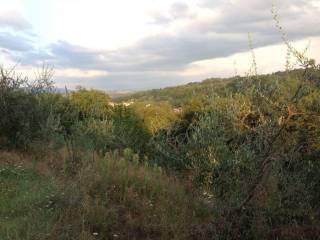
(269, 59)
(143, 43)
(76, 73)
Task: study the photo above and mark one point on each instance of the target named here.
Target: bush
(20, 107)
(255, 151)
(90, 103)
(129, 130)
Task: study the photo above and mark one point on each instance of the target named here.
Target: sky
(120, 45)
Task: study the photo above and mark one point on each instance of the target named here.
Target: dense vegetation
(176, 96)
(241, 161)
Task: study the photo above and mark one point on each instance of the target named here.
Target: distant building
(113, 104)
(177, 110)
(127, 103)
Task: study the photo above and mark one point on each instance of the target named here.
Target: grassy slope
(111, 198)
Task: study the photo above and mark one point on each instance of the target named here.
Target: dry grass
(114, 198)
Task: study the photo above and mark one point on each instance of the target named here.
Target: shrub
(21, 115)
(90, 103)
(255, 151)
(129, 130)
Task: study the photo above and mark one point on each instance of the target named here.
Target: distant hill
(179, 95)
(176, 95)
(119, 94)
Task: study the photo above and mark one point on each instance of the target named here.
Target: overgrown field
(238, 160)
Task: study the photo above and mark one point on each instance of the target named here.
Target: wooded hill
(178, 96)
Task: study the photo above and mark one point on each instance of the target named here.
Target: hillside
(180, 95)
(240, 161)
(235, 158)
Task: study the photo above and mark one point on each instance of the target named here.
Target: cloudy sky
(141, 44)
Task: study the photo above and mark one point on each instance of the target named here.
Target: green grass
(27, 209)
(110, 198)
